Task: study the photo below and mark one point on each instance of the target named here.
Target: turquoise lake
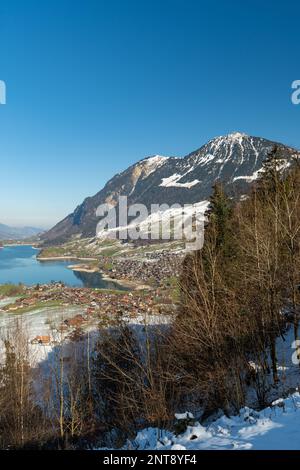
(18, 264)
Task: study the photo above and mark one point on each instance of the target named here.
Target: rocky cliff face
(234, 159)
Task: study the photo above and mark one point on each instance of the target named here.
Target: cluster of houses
(154, 267)
(94, 299)
(97, 306)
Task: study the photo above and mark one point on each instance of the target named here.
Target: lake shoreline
(134, 285)
(64, 258)
(21, 264)
(20, 244)
(83, 268)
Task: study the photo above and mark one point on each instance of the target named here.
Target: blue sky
(94, 86)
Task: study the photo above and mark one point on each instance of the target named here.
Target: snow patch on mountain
(282, 166)
(206, 159)
(172, 182)
(153, 163)
(249, 178)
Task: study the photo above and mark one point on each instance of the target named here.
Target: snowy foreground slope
(276, 427)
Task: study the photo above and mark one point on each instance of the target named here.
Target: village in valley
(154, 268)
(147, 287)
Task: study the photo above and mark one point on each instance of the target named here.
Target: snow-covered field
(39, 322)
(276, 427)
(46, 321)
(6, 301)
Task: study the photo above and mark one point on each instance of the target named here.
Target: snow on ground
(276, 427)
(288, 371)
(6, 301)
(46, 321)
(38, 322)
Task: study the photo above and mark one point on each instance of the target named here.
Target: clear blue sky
(94, 86)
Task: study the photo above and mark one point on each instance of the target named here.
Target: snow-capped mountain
(234, 159)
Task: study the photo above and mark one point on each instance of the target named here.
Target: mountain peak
(236, 136)
(235, 159)
(229, 140)
(232, 137)
(154, 159)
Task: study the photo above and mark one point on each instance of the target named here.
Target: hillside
(235, 159)
(18, 233)
(275, 427)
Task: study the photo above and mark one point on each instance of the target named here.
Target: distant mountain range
(18, 233)
(235, 159)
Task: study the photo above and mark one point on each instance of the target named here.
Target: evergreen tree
(272, 170)
(219, 215)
